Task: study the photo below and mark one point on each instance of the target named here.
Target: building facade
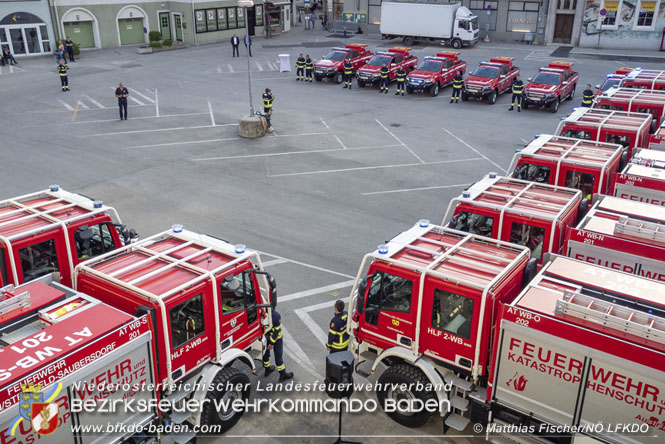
(26, 27)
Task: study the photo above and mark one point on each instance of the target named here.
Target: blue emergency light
(383, 249)
(54, 188)
(240, 248)
(177, 228)
(423, 223)
(97, 204)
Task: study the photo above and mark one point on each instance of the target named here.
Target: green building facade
(108, 24)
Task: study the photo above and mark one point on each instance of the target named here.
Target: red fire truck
(631, 130)
(623, 235)
(52, 231)
(369, 74)
(550, 86)
(208, 302)
(524, 213)
(613, 80)
(60, 347)
(644, 79)
(643, 179)
(490, 79)
(634, 100)
(574, 163)
(435, 72)
(332, 65)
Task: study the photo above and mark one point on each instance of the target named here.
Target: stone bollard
(251, 127)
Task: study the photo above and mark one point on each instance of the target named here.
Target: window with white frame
(646, 14)
(612, 8)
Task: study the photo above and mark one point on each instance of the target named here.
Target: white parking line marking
(212, 116)
(83, 105)
(325, 124)
(400, 142)
(306, 293)
(142, 95)
(136, 100)
(94, 102)
(292, 348)
(303, 314)
(297, 135)
(147, 131)
(372, 167)
(144, 117)
(180, 143)
(313, 267)
(69, 108)
(476, 151)
(274, 262)
(258, 65)
(156, 103)
(219, 69)
(415, 189)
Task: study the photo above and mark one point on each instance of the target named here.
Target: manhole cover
(395, 125)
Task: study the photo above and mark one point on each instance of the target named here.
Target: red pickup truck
(550, 86)
(332, 65)
(369, 74)
(490, 79)
(435, 72)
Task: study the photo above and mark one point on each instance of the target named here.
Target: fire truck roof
(651, 96)
(71, 318)
(631, 208)
(644, 153)
(167, 263)
(646, 75)
(623, 305)
(37, 212)
(569, 150)
(605, 118)
(507, 195)
(452, 255)
(644, 171)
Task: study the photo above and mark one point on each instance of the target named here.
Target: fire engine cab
(369, 74)
(613, 79)
(634, 100)
(550, 86)
(435, 72)
(575, 163)
(206, 300)
(631, 130)
(643, 179)
(623, 235)
(490, 79)
(644, 79)
(332, 65)
(52, 231)
(524, 213)
(59, 346)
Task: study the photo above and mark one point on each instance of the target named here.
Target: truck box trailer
(453, 24)
(643, 179)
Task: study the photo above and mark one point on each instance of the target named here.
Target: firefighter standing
(348, 74)
(338, 338)
(62, 72)
(385, 73)
(276, 344)
(518, 86)
(309, 66)
(267, 105)
(458, 83)
(300, 68)
(587, 96)
(401, 78)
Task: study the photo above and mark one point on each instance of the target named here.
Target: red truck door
(394, 65)
(41, 255)
(581, 178)
(447, 73)
(505, 80)
(238, 302)
(533, 234)
(390, 307)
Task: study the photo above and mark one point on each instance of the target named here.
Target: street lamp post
(246, 4)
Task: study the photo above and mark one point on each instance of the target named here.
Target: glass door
(178, 27)
(17, 41)
(32, 39)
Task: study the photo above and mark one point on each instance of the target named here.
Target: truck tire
(225, 419)
(456, 43)
(409, 41)
(554, 106)
(525, 104)
(572, 93)
(491, 99)
(409, 90)
(339, 77)
(317, 77)
(361, 83)
(411, 376)
(434, 89)
(465, 96)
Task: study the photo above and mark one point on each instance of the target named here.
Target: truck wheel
(225, 419)
(465, 96)
(491, 99)
(554, 106)
(434, 90)
(361, 83)
(572, 93)
(339, 77)
(525, 104)
(409, 90)
(318, 78)
(410, 376)
(457, 44)
(409, 41)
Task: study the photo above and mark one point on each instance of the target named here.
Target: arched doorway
(24, 34)
(131, 22)
(81, 26)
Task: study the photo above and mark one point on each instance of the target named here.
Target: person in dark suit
(235, 42)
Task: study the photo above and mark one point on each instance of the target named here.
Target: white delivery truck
(452, 24)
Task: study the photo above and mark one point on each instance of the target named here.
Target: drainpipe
(194, 24)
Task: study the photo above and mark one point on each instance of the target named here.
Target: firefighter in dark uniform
(385, 77)
(518, 86)
(458, 84)
(587, 96)
(401, 79)
(267, 105)
(338, 338)
(300, 68)
(348, 74)
(309, 67)
(62, 72)
(276, 344)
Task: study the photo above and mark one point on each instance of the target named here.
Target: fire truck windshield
(489, 72)
(335, 56)
(546, 78)
(430, 66)
(609, 83)
(379, 61)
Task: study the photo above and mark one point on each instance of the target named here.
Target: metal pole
(249, 70)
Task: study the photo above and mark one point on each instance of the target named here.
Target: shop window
(231, 16)
(46, 45)
(522, 16)
(240, 16)
(533, 173)
(473, 223)
(211, 19)
(38, 260)
(186, 321)
(610, 20)
(221, 19)
(258, 13)
(452, 313)
(528, 236)
(200, 21)
(580, 181)
(646, 13)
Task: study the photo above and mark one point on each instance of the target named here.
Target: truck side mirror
(583, 209)
(597, 86)
(530, 79)
(565, 83)
(272, 289)
(530, 271)
(360, 295)
(502, 76)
